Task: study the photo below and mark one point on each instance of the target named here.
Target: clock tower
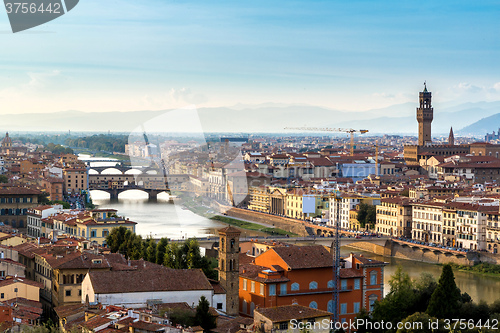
(425, 114)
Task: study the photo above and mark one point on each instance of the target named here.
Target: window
(2, 295)
(343, 308)
(356, 307)
(68, 292)
(219, 306)
(330, 284)
(283, 289)
(252, 286)
(372, 300)
(244, 306)
(357, 284)
(330, 306)
(313, 305)
(272, 290)
(105, 233)
(244, 284)
(295, 286)
(284, 326)
(343, 284)
(262, 288)
(93, 233)
(373, 277)
(313, 285)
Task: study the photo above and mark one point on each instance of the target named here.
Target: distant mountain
(268, 117)
(482, 126)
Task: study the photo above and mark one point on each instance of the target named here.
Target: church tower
(425, 114)
(451, 138)
(229, 270)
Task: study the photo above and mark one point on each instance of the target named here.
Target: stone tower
(451, 138)
(229, 270)
(425, 114)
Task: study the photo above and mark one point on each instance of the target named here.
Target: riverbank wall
(284, 223)
(396, 250)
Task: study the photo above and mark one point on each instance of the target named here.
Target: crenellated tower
(425, 115)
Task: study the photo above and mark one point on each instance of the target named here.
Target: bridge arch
(133, 172)
(111, 171)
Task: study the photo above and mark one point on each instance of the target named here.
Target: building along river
(164, 219)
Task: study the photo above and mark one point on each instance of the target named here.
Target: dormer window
(97, 261)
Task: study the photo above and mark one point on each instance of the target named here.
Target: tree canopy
(174, 255)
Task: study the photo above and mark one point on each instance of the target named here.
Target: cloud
(187, 96)
(468, 87)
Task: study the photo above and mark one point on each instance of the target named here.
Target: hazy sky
(125, 55)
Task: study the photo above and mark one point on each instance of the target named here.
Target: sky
(127, 55)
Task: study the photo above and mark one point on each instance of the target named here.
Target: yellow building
(259, 199)
(96, 230)
(394, 217)
(68, 277)
(75, 179)
(13, 288)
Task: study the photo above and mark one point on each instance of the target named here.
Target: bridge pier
(113, 195)
(153, 196)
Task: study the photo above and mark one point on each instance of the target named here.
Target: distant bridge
(209, 242)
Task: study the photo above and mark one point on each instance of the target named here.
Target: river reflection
(479, 287)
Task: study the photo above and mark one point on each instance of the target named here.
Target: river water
(164, 219)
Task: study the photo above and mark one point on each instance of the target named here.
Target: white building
(35, 216)
(133, 289)
(427, 225)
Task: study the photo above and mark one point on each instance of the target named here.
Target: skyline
(165, 55)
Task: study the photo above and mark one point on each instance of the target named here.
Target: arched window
(313, 285)
(313, 305)
(295, 286)
(222, 265)
(252, 307)
(244, 307)
(232, 243)
(373, 277)
(330, 306)
(330, 284)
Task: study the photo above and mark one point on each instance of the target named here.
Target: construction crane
(329, 129)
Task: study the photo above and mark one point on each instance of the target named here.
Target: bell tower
(229, 270)
(425, 115)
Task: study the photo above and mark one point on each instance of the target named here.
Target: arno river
(164, 219)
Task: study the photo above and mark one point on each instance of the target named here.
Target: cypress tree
(445, 300)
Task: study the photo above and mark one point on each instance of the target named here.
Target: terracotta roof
(252, 271)
(176, 306)
(69, 310)
(369, 262)
(288, 312)
(145, 326)
(218, 289)
(229, 229)
(165, 279)
(8, 282)
(303, 257)
(347, 273)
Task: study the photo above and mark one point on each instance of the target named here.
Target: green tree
(161, 248)
(150, 251)
(203, 316)
(4, 179)
(445, 300)
(400, 301)
(115, 238)
(367, 215)
(417, 323)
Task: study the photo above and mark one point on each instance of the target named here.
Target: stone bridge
(209, 242)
